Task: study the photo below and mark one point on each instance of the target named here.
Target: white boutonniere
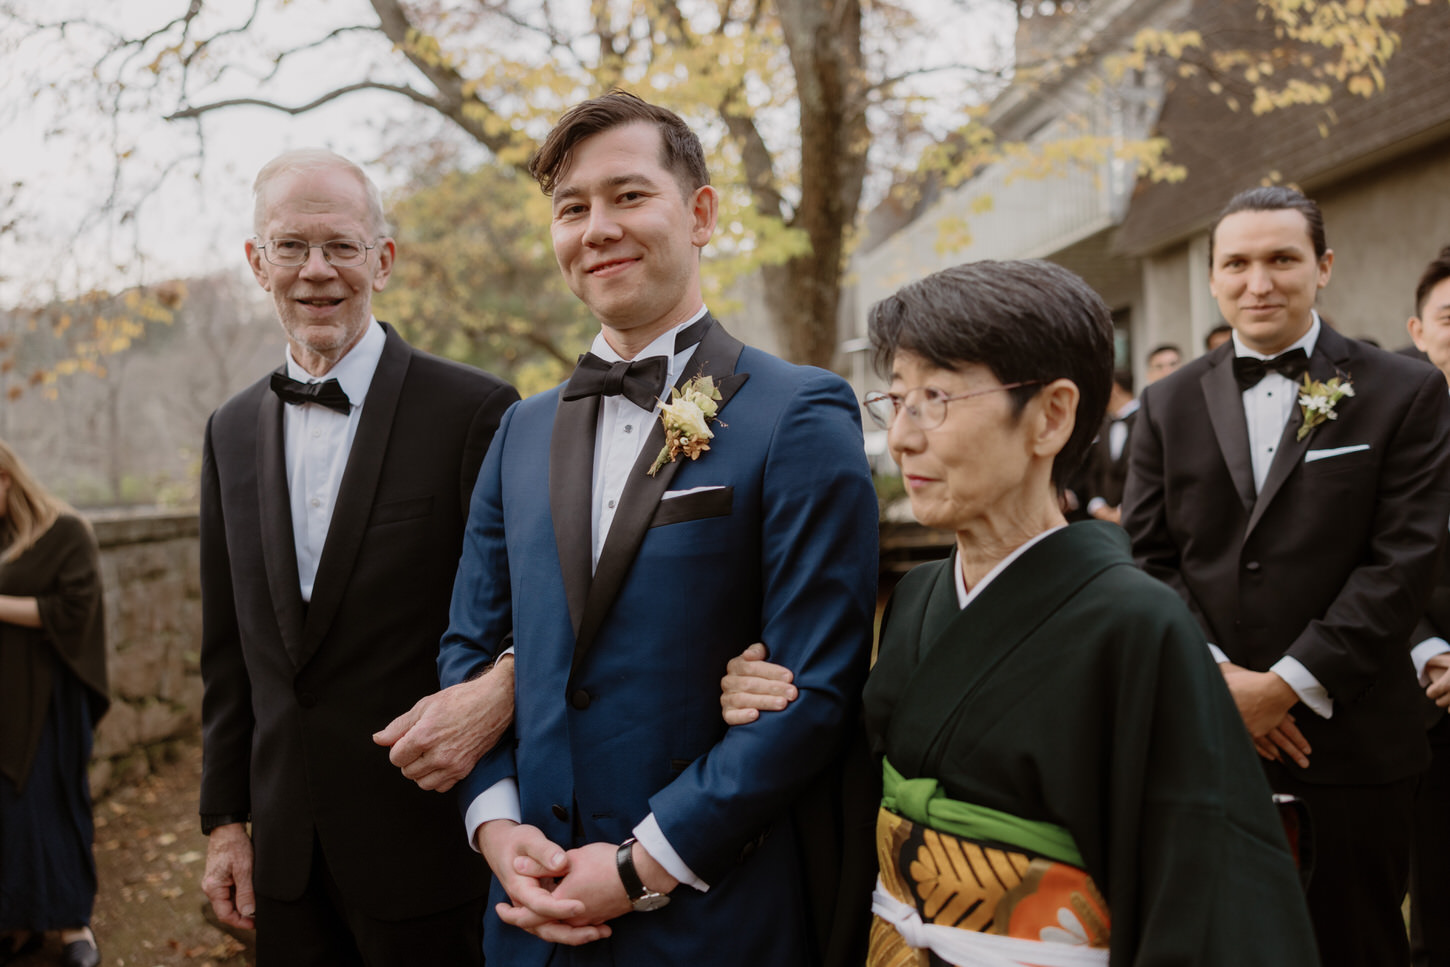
(687, 417)
(1318, 399)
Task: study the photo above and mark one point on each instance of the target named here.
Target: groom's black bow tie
(1248, 370)
(641, 381)
(327, 393)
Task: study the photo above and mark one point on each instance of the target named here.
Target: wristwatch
(641, 897)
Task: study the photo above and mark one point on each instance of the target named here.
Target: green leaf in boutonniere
(1317, 400)
(687, 419)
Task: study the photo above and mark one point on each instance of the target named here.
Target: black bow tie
(1248, 370)
(328, 393)
(641, 381)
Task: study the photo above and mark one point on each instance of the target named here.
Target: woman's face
(974, 464)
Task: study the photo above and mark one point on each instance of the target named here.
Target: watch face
(651, 901)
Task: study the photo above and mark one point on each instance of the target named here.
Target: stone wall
(150, 567)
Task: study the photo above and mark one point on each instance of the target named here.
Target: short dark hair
(1166, 347)
(1026, 321)
(681, 153)
(1124, 379)
(1219, 329)
(1435, 273)
(1274, 198)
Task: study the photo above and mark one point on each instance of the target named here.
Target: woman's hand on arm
(753, 685)
(20, 611)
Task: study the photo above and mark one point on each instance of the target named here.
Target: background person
(1162, 360)
(53, 691)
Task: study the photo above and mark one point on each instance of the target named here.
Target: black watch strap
(628, 875)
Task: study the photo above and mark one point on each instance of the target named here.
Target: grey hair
(315, 159)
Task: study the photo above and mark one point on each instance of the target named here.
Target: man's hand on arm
(439, 740)
(753, 685)
(1264, 700)
(594, 879)
(227, 881)
(528, 867)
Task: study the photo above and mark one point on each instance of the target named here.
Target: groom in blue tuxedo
(622, 566)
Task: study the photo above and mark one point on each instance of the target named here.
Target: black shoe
(9, 950)
(80, 953)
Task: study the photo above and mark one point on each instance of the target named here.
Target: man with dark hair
(1429, 877)
(1293, 486)
(628, 550)
(1108, 461)
(1163, 360)
(333, 498)
(1217, 336)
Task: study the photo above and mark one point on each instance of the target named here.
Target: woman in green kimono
(1066, 779)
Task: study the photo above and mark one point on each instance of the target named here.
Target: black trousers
(320, 930)
(1430, 860)
(1361, 867)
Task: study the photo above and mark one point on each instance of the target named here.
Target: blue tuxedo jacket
(618, 673)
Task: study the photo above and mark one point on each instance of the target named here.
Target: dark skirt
(47, 869)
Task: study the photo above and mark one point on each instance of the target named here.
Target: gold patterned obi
(944, 897)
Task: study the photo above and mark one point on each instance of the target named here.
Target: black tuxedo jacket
(1106, 474)
(293, 693)
(1330, 563)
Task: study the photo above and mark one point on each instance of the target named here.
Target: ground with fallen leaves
(150, 855)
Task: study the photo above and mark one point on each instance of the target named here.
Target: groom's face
(1266, 276)
(627, 235)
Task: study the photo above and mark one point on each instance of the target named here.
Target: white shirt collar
(965, 597)
(1305, 342)
(354, 371)
(663, 345)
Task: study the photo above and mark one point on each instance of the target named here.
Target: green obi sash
(922, 801)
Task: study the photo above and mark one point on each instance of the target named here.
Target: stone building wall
(150, 568)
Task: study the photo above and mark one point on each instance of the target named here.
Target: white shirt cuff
(1218, 656)
(1096, 504)
(1305, 685)
(652, 838)
(498, 801)
(1423, 652)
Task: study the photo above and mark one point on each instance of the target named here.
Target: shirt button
(316, 502)
(316, 434)
(611, 505)
(629, 428)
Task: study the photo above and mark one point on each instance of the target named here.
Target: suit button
(560, 813)
(306, 699)
(580, 699)
(1252, 566)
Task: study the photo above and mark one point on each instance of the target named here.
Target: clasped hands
(558, 896)
(1264, 700)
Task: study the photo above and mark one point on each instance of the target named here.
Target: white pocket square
(1311, 455)
(672, 494)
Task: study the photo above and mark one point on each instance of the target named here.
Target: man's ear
(1417, 332)
(258, 264)
(387, 249)
(705, 208)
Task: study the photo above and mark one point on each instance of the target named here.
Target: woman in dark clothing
(52, 692)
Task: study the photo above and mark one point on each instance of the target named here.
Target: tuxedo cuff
(498, 801)
(652, 838)
(1423, 652)
(1305, 685)
(1218, 656)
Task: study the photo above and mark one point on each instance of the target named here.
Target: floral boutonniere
(687, 417)
(1317, 400)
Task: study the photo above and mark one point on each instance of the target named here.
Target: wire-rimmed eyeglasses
(925, 405)
(292, 252)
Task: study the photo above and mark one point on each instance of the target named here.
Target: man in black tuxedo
(332, 513)
(1304, 538)
(1429, 875)
(1108, 459)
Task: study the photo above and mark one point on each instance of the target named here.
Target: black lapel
(715, 356)
(1226, 413)
(356, 492)
(279, 546)
(1330, 351)
(571, 480)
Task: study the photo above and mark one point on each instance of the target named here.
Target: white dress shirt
(1117, 439)
(618, 439)
(1267, 408)
(316, 443)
